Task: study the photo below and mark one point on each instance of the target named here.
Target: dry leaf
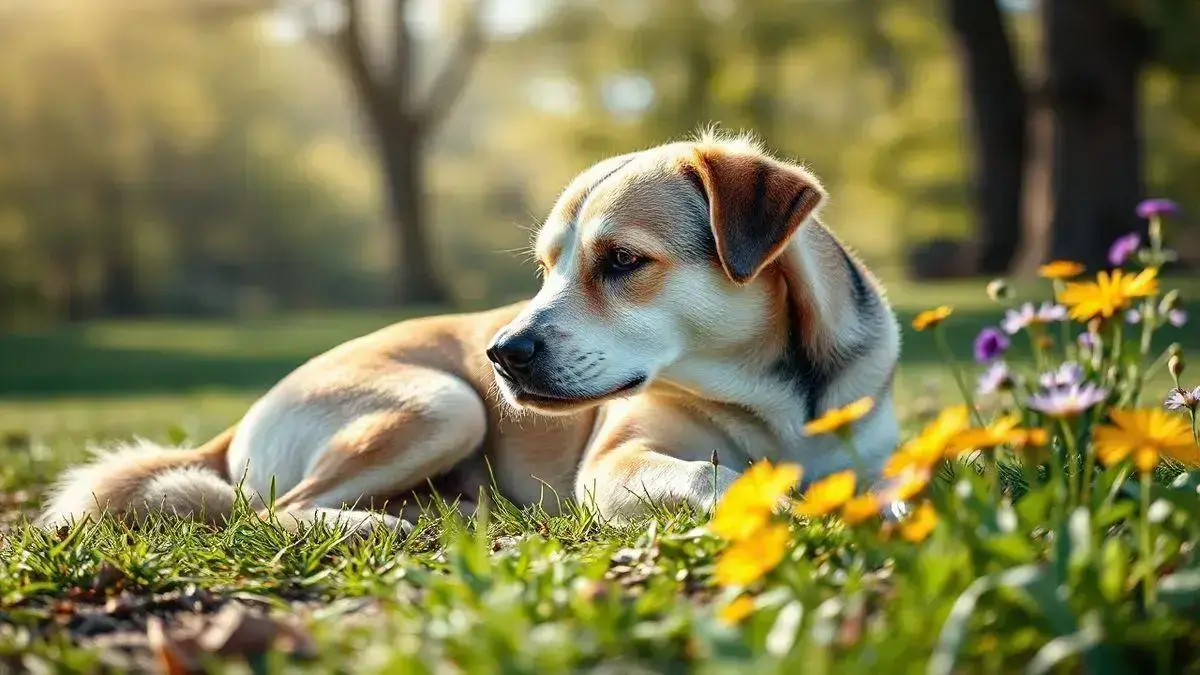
(232, 632)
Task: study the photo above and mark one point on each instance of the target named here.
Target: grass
(522, 590)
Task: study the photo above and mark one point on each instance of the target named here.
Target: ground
(517, 591)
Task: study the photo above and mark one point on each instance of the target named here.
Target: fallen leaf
(232, 632)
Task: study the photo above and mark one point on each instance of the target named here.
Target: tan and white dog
(691, 304)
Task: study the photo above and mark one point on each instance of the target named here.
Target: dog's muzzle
(513, 355)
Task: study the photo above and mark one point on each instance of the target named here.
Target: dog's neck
(826, 341)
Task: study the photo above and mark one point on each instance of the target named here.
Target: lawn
(521, 591)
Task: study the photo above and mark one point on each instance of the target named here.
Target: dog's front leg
(622, 482)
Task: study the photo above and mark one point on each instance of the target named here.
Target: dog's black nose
(514, 353)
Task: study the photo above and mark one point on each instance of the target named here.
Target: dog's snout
(514, 353)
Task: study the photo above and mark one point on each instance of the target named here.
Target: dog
(694, 314)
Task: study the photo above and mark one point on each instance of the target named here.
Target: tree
(1095, 52)
(404, 123)
(997, 113)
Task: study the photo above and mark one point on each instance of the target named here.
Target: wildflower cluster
(1053, 438)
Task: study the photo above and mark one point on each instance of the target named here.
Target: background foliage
(192, 163)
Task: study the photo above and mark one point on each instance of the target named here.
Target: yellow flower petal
(749, 502)
(836, 419)
(1144, 435)
(931, 317)
(741, 607)
(1108, 294)
(1142, 285)
(826, 495)
(1003, 431)
(930, 445)
(749, 560)
(1060, 269)
(919, 524)
(860, 509)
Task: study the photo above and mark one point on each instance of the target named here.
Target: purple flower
(1133, 316)
(990, 344)
(996, 378)
(1068, 374)
(1157, 207)
(1182, 399)
(1124, 247)
(1177, 318)
(1087, 340)
(1067, 401)
(1017, 319)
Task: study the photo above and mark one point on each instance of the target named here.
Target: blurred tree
(1095, 56)
(403, 122)
(997, 113)
(152, 171)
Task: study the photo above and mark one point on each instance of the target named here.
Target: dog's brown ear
(755, 204)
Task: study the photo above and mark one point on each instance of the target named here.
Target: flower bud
(999, 290)
(1175, 349)
(1175, 366)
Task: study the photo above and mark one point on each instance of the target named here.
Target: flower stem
(1070, 457)
(1039, 357)
(1088, 477)
(1195, 429)
(1147, 542)
(993, 471)
(1118, 342)
(1157, 364)
(940, 336)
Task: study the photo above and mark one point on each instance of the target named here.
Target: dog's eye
(620, 260)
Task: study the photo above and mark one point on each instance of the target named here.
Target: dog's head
(651, 264)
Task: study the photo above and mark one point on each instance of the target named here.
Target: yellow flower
(931, 317)
(826, 495)
(1109, 294)
(1145, 435)
(1143, 285)
(748, 560)
(1061, 269)
(910, 484)
(860, 509)
(1003, 431)
(749, 502)
(1029, 438)
(733, 613)
(982, 438)
(930, 446)
(917, 526)
(836, 419)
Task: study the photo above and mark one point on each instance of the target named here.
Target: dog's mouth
(525, 395)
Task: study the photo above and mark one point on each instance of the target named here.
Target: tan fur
(382, 421)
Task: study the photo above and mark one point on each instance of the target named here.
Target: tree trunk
(1094, 56)
(997, 112)
(416, 280)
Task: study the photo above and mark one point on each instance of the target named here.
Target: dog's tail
(136, 478)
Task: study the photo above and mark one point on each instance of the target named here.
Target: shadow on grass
(130, 359)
